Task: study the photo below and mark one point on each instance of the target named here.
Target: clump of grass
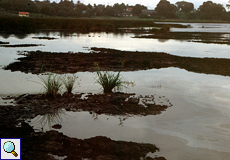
(110, 81)
(69, 82)
(52, 84)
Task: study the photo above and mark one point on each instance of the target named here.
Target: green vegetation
(28, 25)
(79, 17)
(67, 8)
(69, 82)
(185, 10)
(51, 83)
(110, 81)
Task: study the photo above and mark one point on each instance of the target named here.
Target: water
(82, 42)
(201, 27)
(196, 126)
(198, 121)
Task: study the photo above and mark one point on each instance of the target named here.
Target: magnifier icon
(9, 147)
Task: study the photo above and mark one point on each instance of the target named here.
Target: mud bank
(52, 143)
(199, 37)
(115, 60)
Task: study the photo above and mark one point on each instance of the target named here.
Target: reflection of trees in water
(21, 35)
(5, 35)
(53, 117)
(202, 37)
(162, 40)
(66, 34)
(120, 118)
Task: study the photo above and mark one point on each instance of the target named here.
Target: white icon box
(10, 148)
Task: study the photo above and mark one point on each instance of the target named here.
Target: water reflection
(21, 35)
(18, 35)
(120, 118)
(162, 40)
(122, 41)
(55, 116)
(201, 27)
(5, 35)
(201, 37)
(61, 117)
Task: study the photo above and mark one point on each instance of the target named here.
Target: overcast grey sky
(151, 4)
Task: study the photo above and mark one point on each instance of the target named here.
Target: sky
(151, 4)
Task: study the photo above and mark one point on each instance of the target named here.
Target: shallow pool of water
(195, 127)
(201, 27)
(82, 42)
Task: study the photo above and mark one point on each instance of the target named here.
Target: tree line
(164, 9)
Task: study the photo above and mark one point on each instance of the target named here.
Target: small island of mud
(1, 42)
(21, 45)
(115, 60)
(111, 103)
(46, 38)
(199, 37)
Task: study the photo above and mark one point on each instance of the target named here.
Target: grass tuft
(52, 84)
(69, 82)
(110, 81)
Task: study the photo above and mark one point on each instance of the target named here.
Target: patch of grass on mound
(69, 82)
(52, 84)
(110, 81)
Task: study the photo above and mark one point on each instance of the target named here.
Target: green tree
(48, 10)
(98, 10)
(166, 9)
(6, 4)
(210, 10)
(109, 11)
(184, 6)
(119, 8)
(228, 5)
(137, 9)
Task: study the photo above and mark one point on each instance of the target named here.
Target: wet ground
(200, 37)
(195, 127)
(39, 145)
(114, 60)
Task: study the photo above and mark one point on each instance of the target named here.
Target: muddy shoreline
(37, 145)
(114, 60)
(199, 37)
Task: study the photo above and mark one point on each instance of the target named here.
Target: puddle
(6, 100)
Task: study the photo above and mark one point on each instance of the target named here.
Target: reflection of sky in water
(81, 42)
(202, 27)
(196, 123)
(196, 127)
